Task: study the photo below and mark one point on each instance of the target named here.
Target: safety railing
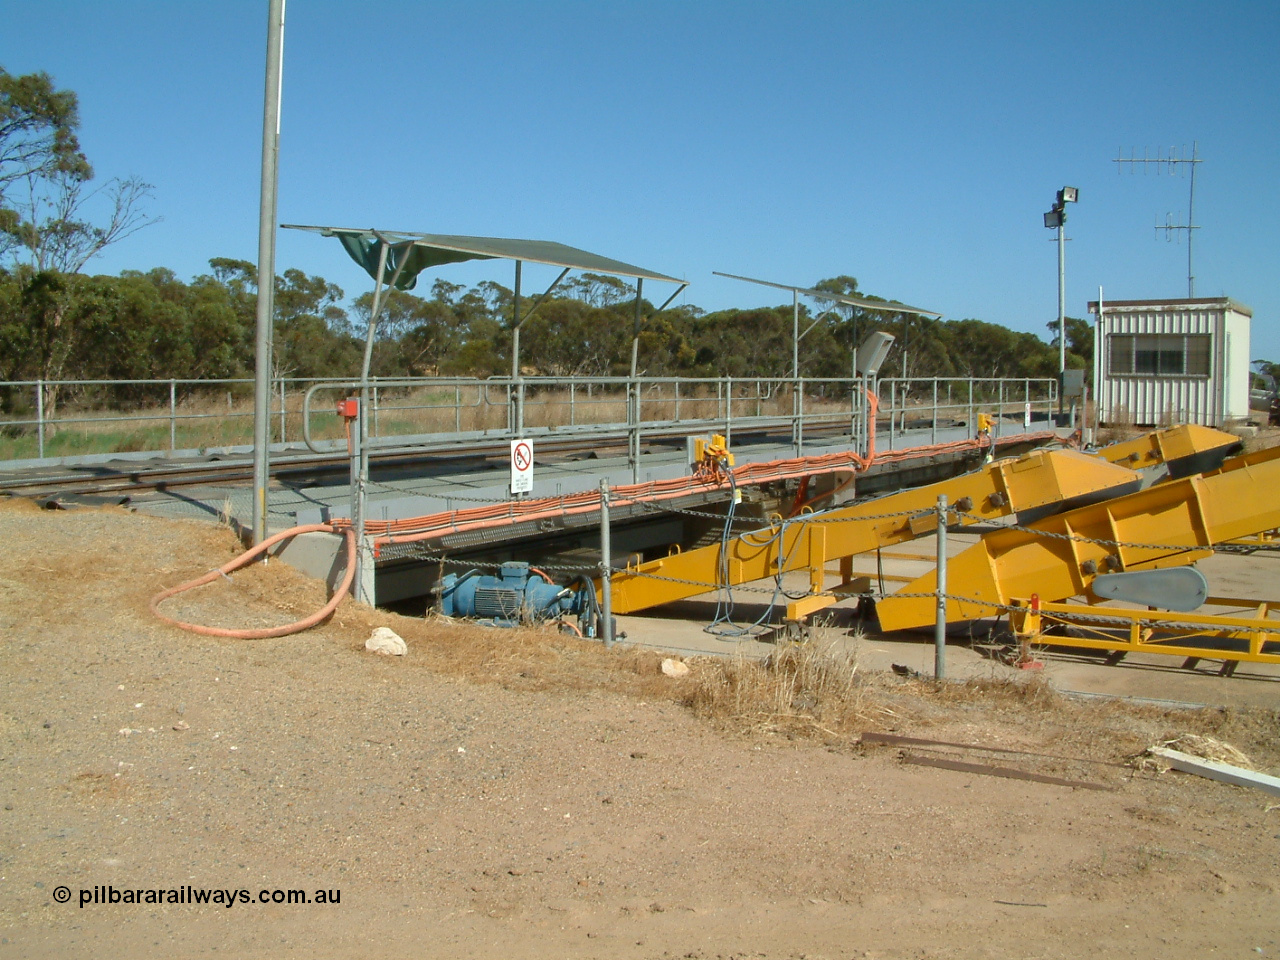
(71, 419)
(916, 403)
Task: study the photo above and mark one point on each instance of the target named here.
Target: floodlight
(1069, 195)
(873, 351)
(1054, 218)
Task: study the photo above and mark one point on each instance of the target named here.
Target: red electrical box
(349, 408)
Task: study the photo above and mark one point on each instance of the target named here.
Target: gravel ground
(505, 793)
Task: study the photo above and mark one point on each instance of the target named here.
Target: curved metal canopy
(889, 306)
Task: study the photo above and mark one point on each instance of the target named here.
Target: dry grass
(808, 688)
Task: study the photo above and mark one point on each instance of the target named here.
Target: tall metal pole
(266, 268)
(796, 442)
(1062, 311)
(1173, 162)
(1098, 341)
(517, 383)
(1191, 219)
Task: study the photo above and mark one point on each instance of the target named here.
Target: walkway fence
(73, 419)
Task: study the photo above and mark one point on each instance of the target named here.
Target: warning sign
(521, 466)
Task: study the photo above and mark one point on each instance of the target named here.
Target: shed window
(1160, 354)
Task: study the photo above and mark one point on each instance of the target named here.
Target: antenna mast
(1173, 163)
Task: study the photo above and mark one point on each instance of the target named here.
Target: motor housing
(515, 595)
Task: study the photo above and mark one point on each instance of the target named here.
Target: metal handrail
(613, 403)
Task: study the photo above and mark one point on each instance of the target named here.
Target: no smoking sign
(521, 466)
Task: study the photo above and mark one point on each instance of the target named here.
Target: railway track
(112, 477)
(306, 468)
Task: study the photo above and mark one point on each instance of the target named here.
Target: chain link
(1098, 541)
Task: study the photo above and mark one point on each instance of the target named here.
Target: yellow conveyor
(1170, 524)
(1185, 449)
(1039, 481)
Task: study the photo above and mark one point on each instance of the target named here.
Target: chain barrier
(1097, 541)
(420, 494)
(1262, 626)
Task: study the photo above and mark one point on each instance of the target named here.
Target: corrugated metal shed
(1160, 362)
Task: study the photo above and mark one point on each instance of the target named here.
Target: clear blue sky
(912, 145)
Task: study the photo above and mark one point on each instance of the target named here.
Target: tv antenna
(1172, 163)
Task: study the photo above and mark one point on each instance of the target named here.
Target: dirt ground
(517, 793)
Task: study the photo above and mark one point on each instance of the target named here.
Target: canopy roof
(889, 306)
(411, 253)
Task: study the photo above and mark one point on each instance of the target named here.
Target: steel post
(173, 417)
(728, 410)
(795, 372)
(854, 406)
(40, 417)
(606, 568)
(266, 268)
(633, 428)
(940, 625)
(893, 405)
(933, 435)
(973, 425)
(1062, 311)
(517, 422)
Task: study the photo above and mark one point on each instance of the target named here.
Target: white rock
(387, 642)
(675, 668)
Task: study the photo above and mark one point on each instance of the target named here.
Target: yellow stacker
(1032, 571)
(1032, 484)
(1083, 521)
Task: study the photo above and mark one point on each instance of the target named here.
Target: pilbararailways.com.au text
(109, 894)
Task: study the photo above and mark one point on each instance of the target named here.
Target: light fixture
(873, 351)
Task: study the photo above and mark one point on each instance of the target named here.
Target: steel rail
(109, 478)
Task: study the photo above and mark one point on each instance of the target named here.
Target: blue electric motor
(514, 596)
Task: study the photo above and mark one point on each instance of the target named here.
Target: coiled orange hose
(245, 558)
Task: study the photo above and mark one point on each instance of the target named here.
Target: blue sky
(912, 145)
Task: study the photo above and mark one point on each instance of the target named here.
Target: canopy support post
(363, 584)
(517, 382)
(633, 390)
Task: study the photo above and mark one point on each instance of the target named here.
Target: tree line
(58, 322)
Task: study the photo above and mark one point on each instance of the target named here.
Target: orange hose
(242, 560)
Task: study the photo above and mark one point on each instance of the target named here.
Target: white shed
(1159, 362)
